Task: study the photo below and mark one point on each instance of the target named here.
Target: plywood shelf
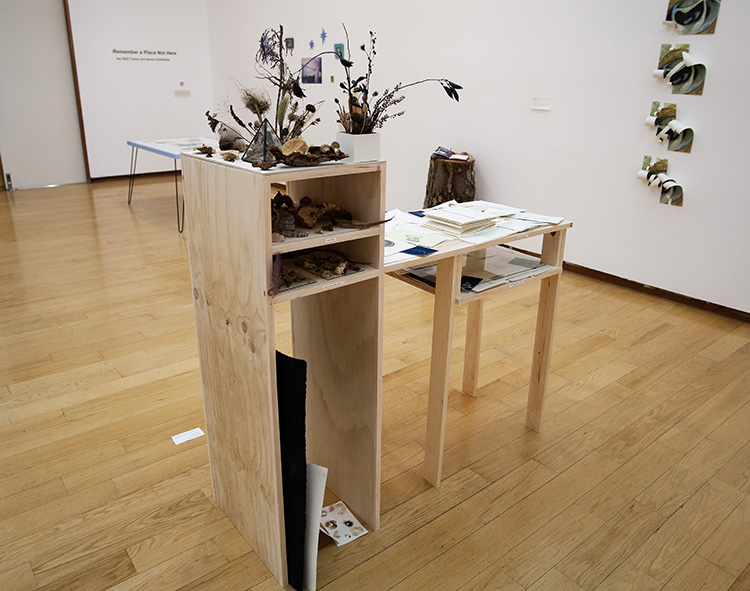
(326, 239)
(336, 328)
(471, 296)
(321, 285)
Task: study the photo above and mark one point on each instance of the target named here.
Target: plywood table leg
(473, 344)
(552, 253)
(446, 286)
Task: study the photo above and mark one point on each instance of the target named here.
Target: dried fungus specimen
(326, 263)
(296, 145)
(204, 149)
(308, 215)
(312, 157)
(282, 216)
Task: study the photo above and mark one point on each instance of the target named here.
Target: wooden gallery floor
(640, 480)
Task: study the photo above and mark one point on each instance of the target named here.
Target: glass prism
(259, 148)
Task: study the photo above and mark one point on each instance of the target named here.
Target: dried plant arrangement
(287, 114)
(357, 113)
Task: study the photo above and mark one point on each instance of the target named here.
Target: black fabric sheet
(291, 385)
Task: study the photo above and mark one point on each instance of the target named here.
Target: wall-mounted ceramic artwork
(693, 17)
(663, 119)
(654, 174)
(683, 71)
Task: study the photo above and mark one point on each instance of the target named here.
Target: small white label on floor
(187, 435)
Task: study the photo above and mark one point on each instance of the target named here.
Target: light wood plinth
(228, 233)
(337, 329)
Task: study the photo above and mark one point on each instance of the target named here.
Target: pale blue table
(170, 148)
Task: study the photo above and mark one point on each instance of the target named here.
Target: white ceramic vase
(363, 147)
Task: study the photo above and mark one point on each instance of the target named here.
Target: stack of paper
(488, 268)
(498, 265)
(458, 220)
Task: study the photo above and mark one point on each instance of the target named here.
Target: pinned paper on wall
(682, 70)
(663, 119)
(693, 17)
(654, 174)
(312, 70)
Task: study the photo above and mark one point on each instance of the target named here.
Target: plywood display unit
(337, 328)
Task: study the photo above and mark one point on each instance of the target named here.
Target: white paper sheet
(316, 488)
(460, 216)
(187, 435)
(417, 236)
(514, 278)
(492, 234)
(517, 225)
(535, 217)
(397, 218)
(497, 209)
(394, 246)
(398, 257)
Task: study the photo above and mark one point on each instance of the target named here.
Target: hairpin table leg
(131, 181)
(180, 222)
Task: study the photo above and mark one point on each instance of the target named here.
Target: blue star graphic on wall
(323, 35)
(312, 43)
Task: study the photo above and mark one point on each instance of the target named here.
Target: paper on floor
(187, 435)
(338, 522)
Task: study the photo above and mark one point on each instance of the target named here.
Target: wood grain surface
(638, 481)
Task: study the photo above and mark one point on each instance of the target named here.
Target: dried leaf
(297, 90)
(213, 122)
(236, 118)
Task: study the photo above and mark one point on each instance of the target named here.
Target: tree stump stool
(449, 179)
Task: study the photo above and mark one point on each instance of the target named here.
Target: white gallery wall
(143, 73)
(593, 61)
(40, 140)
